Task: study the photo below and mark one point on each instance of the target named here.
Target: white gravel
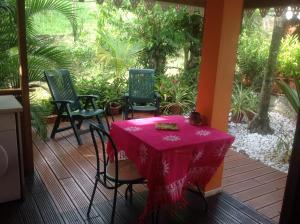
(266, 148)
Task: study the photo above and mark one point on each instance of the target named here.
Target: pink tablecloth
(171, 160)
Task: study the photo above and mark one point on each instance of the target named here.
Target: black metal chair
(69, 105)
(141, 96)
(114, 174)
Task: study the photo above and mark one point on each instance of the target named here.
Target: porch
(59, 190)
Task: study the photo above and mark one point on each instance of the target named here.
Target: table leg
(155, 216)
(201, 194)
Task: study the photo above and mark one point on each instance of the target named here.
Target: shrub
(174, 92)
(289, 57)
(253, 50)
(244, 103)
(252, 56)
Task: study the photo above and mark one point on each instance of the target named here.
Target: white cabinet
(11, 173)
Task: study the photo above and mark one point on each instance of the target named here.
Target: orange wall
(220, 38)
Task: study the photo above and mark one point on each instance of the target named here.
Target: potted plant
(113, 97)
(114, 108)
(176, 98)
(244, 104)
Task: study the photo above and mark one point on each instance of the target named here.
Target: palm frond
(62, 6)
(9, 76)
(8, 30)
(6, 6)
(45, 57)
(117, 54)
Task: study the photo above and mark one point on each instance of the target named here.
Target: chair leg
(55, 127)
(74, 126)
(107, 122)
(203, 198)
(79, 124)
(114, 206)
(129, 190)
(126, 113)
(100, 122)
(92, 198)
(131, 193)
(126, 193)
(155, 216)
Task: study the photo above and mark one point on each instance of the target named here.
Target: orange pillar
(220, 39)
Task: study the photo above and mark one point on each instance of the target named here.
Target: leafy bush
(284, 146)
(40, 108)
(289, 57)
(174, 91)
(253, 50)
(94, 84)
(244, 102)
(292, 95)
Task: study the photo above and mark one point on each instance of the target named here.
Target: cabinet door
(10, 185)
(7, 122)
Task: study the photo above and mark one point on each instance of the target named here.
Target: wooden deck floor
(254, 184)
(63, 181)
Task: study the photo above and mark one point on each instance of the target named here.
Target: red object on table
(170, 160)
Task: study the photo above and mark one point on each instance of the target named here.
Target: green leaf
(291, 94)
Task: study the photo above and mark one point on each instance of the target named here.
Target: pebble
(265, 147)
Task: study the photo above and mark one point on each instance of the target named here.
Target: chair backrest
(61, 86)
(104, 136)
(141, 85)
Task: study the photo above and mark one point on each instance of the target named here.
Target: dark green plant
(160, 33)
(292, 95)
(253, 50)
(244, 102)
(39, 110)
(41, 53)
(174, 92)
(95, 84)
(284, 147)
(289, 57)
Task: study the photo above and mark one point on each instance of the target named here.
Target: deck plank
(273, 210)
(60, 190)
(59, 196)
(261, 190)
(266, 199)
(247, 175)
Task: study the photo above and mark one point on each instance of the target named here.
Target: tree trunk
(186, 58)
(261, 122)
(191, 67)
(158, 61)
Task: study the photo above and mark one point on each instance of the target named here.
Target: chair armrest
(63, 101)
(157, 95)
(88, 96)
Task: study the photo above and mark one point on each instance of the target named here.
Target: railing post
(291, 201)
(23, 69)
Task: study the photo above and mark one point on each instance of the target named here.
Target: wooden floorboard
(61, 187)
(254, 184)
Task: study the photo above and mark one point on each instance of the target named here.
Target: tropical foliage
(244, 103)
(293, 95)
(253, 50)
(173, 91)
(42, 53)
(289, 57)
